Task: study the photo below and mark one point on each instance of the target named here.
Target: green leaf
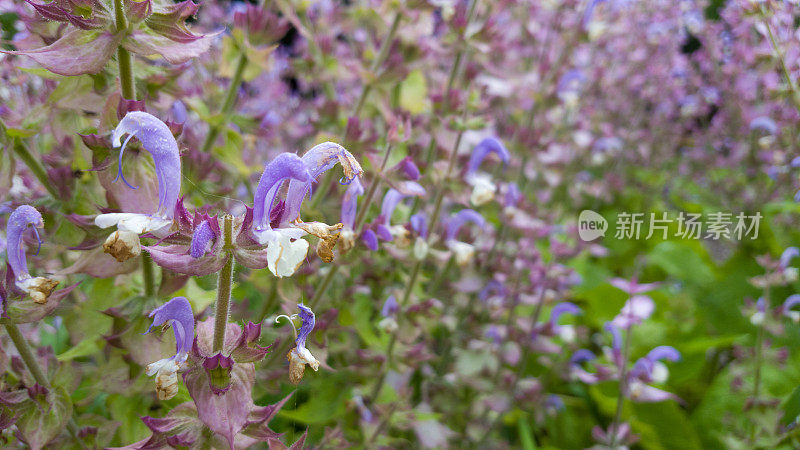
(84, 348)
(682, 261)
(414, 93)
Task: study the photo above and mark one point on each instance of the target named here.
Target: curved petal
(486, 146)
(462, 217)
(17, 223)
(158, 140)
(178, 312)
(284, 166)
(318, 160)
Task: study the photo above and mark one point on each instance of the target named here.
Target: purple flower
(285, 248)
(17, 223)
(390, 307)
(299, 356)
(350, 203)
(632, 287)
(158, 140)
(483, 149)
(419, 223)
(178, 314)
(636, 309)
(318, 160)
(462, 251)
(39, 288)
(786, 309)
(764, 125)
(201, 239)
(650, 369)
(460, 219)
(787, 256)
(565, 331)
(391, 199)
(483, 188)
(408, 168)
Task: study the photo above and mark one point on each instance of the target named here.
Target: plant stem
(147, 274)
(362, 215)
(227, 106)
(451, 81)
(757, 370)
(32, 364)
(24, 153)
(26, 352)
(126, 80)
(623, 386)
(224, 283)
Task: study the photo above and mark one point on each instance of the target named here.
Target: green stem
(126, 80)
(148, 276)
(451, 79)
(224, 283)
(623, 387)
(227, 106)
(757, 370)
(22, 151)
(781, 60)
(267, 307)
(376, 389)
(362, 215)
(28, 357)
(26, 352)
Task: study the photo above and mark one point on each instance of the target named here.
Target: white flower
(483, 188)
(166, 372)
(135, 223)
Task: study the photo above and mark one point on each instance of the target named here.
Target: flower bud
(122, 245)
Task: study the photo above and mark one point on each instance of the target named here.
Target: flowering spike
(157, 139)
(484, 147)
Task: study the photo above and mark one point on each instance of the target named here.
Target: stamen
(344, 181)
(119, 171)
(291, 321)
(38, 239)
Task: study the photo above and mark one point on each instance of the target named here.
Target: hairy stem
(147, 275)
(224, 283)
(126, 80)
(228, 104)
